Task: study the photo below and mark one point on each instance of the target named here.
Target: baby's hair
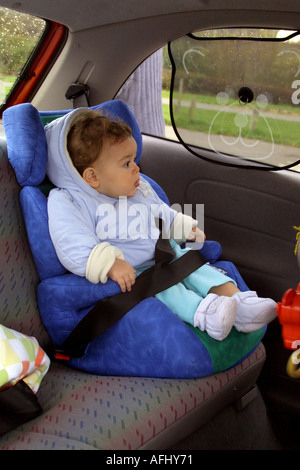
(86, 136)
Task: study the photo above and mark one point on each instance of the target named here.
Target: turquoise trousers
(183, 298)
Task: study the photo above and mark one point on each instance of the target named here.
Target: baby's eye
(126, 165)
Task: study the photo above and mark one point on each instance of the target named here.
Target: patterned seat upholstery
(83, 411)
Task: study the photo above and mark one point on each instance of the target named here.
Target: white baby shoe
(216, 315)
(253, 312)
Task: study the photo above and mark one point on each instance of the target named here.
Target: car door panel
(252, 213)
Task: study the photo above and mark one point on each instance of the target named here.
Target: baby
(102, 224)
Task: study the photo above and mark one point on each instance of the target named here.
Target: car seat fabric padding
(149, 340)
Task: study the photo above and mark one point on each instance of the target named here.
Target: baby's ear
(90, 177)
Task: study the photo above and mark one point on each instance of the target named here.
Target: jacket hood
(60, 168)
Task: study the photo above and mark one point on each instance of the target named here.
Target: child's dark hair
(86, 136)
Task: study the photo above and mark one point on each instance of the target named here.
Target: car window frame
(37, 66)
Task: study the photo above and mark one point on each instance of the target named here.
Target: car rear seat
(83, 411)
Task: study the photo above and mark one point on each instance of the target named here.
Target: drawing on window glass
(239, 96)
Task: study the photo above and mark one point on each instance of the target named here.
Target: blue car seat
(149, 340)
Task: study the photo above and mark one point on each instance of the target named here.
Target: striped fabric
(142, 93)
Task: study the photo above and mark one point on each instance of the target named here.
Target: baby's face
(115, 172)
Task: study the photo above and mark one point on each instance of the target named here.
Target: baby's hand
(196, 235)
(123, 273)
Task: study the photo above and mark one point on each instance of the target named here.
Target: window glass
(19, 36)
(237, 93)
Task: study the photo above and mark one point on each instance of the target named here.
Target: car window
(19, 38)
(237, 93)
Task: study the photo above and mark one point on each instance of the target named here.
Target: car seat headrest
(26, 143)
